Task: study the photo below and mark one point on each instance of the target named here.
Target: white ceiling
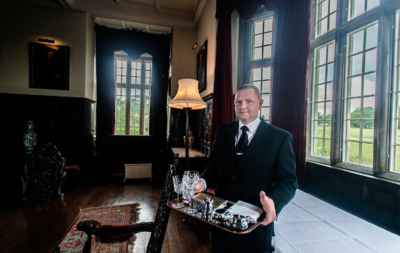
(157, 16)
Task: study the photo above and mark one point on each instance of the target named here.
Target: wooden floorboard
(40, 227)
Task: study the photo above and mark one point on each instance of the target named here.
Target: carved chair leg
(88, 244)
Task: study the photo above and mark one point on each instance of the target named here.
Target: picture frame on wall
(207, 120)
(48, 66)
(202, 67)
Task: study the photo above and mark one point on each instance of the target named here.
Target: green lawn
(367, 149)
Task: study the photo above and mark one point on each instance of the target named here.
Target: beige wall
(21, 24)
(182, 56)
(206, 29)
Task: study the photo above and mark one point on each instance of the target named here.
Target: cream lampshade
(188, 96)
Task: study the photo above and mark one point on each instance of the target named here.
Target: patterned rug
(110, 215)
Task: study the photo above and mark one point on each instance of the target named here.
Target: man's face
(247, 105)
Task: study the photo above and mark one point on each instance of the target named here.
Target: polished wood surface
(182, 152)
(40, 227)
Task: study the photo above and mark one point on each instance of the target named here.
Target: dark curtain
(134, 43)
(289, 80)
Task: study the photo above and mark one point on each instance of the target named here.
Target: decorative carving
(44, 175)
(110, 234)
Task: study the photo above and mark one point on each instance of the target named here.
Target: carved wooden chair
(112, 234)
(43, 175)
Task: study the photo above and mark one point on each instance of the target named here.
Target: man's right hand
(199, 187)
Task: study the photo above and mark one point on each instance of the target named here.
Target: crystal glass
(189, 180)
(177, 180)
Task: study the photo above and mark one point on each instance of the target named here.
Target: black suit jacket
(268, 165)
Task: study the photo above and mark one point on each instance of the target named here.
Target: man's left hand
(269, 208)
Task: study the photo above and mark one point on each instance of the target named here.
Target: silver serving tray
(222, 220)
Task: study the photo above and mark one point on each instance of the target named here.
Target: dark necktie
(243, 141)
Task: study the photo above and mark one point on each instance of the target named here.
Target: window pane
(257, 53)
(258, 40)
(371, 39)
(354, 154)
(258, 27)
(267, 38)
(367, 154)
(332, 21)
(329, 91)
(355, 86)
(135, 112)
(356, 64)
(268, 25)
(369, 84)
(147, 99)
(357, 42)
(321, 74)
(331, 52)
(320, 92)
(321, 56)
(329, 76)
(370, 61)
(368, 130)
(266, 87)
(120, 110)
(265, 113)
(267, 52)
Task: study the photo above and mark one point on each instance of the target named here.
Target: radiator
(137, 170)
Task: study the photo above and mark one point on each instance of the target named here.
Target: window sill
(390, 177)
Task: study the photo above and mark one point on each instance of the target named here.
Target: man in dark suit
(255, 164)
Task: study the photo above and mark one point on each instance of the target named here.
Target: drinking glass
(189, 180)
(178, 189)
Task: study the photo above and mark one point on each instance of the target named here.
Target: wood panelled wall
(373, 199)
(68, 123)
(64, 121)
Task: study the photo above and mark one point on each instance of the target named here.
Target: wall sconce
(188, 98)
(46, 40)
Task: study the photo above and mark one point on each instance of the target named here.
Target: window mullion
(338, 100)
(142, 97)
(382, 100)
(128, 99)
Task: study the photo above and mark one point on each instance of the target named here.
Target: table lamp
(187, 98)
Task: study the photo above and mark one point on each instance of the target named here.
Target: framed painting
(202, 67)
(48, 66)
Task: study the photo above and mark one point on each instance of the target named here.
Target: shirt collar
(252, 125)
